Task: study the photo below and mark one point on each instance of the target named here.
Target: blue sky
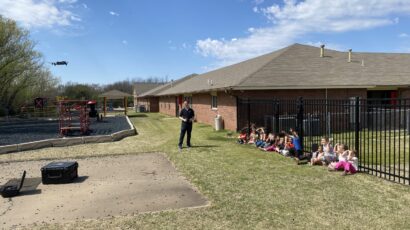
(112, 40)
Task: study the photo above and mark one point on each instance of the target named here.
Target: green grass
(247, 188)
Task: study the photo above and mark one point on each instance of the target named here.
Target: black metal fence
(378, 129)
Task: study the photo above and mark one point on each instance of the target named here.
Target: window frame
(214, 101)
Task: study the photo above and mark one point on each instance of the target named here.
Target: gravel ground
(27, 130)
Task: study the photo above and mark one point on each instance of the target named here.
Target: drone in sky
(59, 63)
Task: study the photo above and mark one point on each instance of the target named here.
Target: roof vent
(322, 51)
(350, 56)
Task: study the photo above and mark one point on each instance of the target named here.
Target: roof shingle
(301, 67)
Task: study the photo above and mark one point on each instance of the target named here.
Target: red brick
(201, 103)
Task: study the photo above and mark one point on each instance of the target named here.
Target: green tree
(22, 72)
(80, 91)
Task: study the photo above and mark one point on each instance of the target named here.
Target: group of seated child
(287, 144)
(338, 157)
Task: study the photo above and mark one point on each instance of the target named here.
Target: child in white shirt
(350, 166)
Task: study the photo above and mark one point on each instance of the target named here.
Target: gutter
(302, 87)
(230, 88)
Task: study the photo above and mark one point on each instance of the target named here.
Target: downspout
(327, 114)
(237, 112)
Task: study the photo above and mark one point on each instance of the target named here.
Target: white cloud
(294, 19)
(75, 18)
(39, 13)
(125, 42)
(85, 6)
(68, 1)
(114, 13)
(258, 2)
(403, 35)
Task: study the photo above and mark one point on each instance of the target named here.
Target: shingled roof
(115, 94)
(143, 87)
(157, 90)
(301, 67)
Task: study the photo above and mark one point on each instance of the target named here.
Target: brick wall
(201, 103)
(151, 104)
(404, 93)
(167, 105)
(226, 108)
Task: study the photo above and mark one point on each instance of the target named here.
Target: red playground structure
(73, 116)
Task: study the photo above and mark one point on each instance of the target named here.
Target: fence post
(299, 118)
(248, 108)
(276, 116)
(357, 126)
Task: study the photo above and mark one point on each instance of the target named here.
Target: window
(214, 102)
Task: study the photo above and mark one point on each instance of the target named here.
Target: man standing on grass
(187, 116)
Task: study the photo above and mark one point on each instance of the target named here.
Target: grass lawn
(247, 188)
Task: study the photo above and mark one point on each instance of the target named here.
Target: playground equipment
(93, 110)
(73, 116)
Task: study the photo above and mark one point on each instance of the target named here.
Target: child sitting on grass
(270, 138)
(342, 151)
(261, 133)
(259, 141)
(317, 156)
(242, 138)
(351, 164)
(280, 144)
(273, 142)
(288, 147)
(329, 155)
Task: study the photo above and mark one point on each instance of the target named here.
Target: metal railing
(378, 129)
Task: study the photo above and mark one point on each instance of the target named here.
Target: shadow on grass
(205, 146)
(138, 115)
(217, 138)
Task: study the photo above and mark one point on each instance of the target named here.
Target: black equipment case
(59, 172)
(14, 189)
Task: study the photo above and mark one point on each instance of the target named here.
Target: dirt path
(108, 186)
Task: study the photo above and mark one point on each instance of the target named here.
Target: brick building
(151, 104)
(292, 72)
